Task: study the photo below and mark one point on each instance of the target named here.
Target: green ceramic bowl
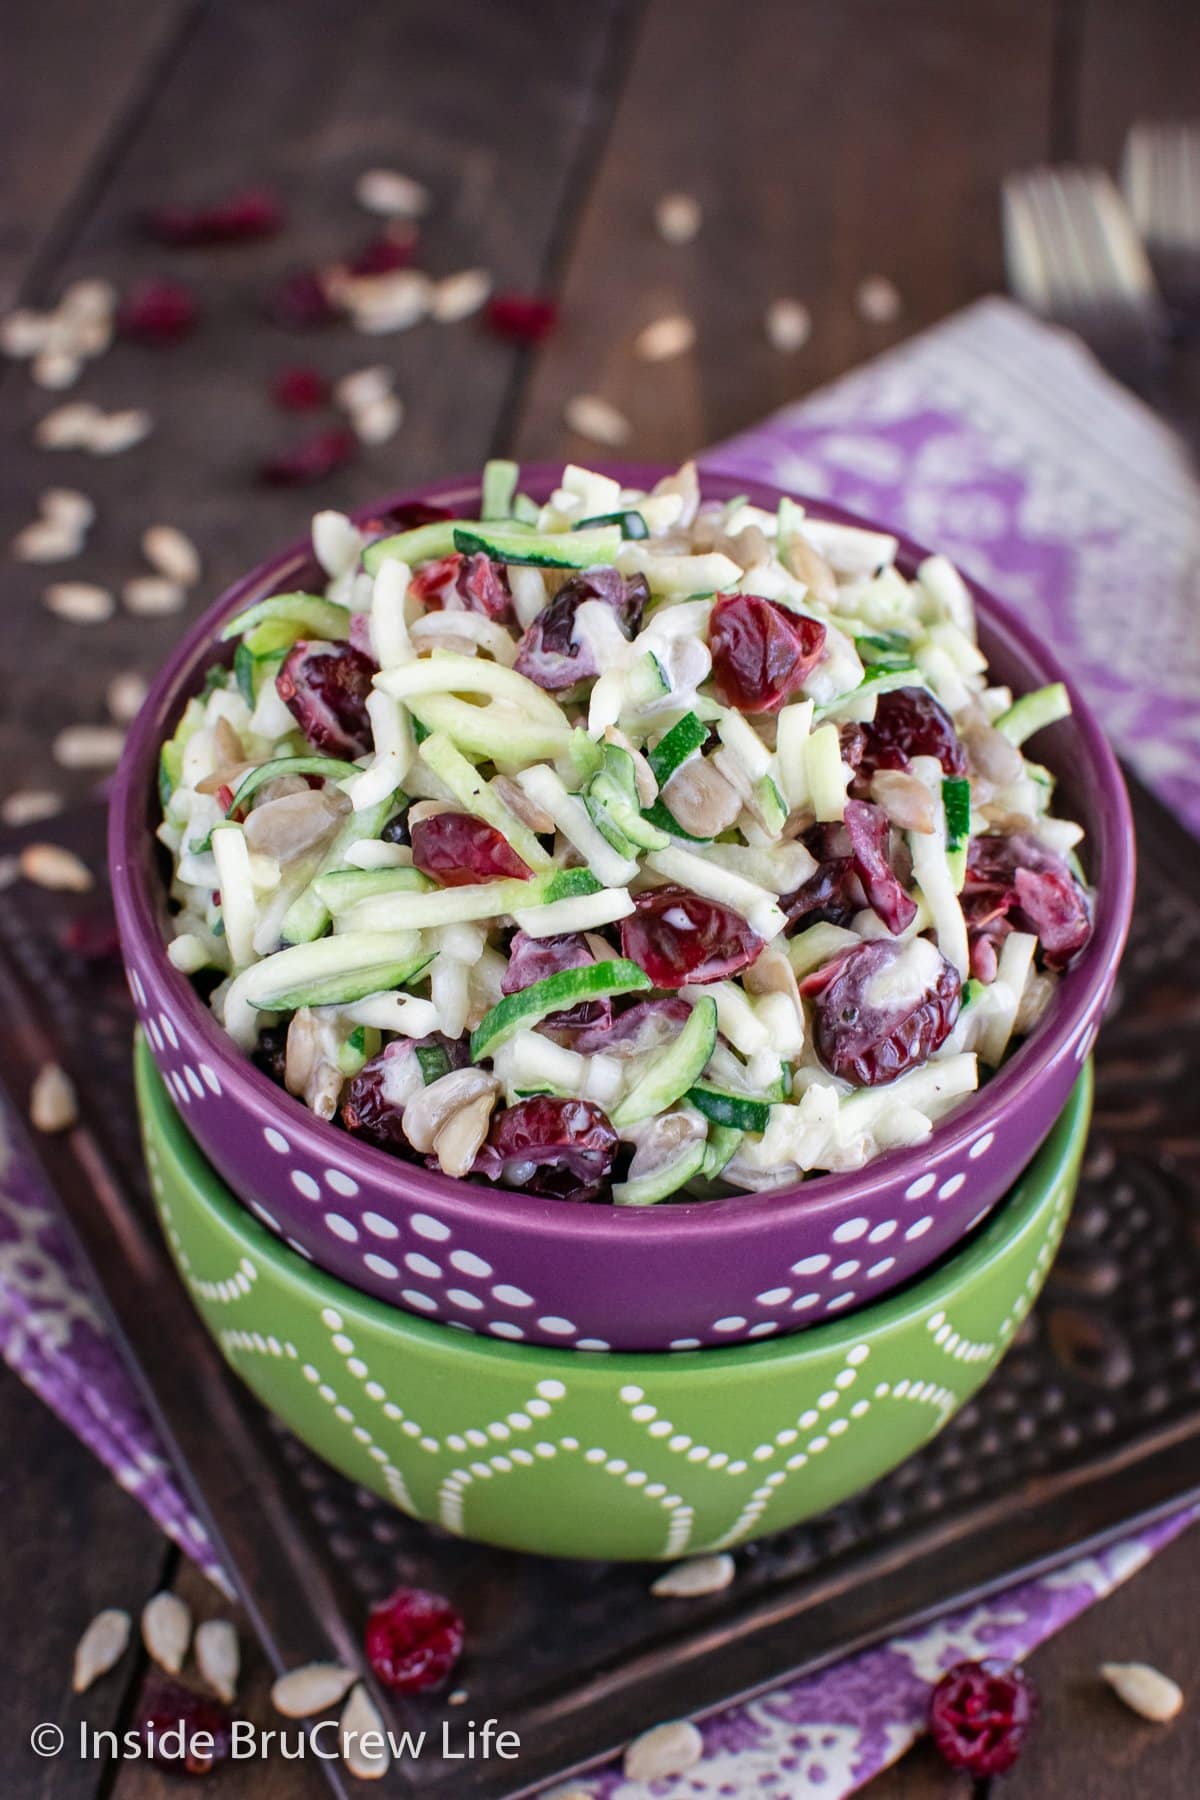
(570, 1453)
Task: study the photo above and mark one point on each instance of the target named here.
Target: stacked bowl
(594, 1380)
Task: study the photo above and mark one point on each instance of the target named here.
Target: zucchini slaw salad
(630, 847)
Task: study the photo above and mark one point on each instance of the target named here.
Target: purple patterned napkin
(1001, 442)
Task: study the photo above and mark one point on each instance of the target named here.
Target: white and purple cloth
(1000, 442)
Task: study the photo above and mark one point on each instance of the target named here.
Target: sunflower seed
(56, 369)
(152, 596)
(1144, 1690)
(788, 324)
(24, 333)
(67, 506)
(27, 805)
(52, 1104)
(667, 337)
(47, 541)
(591, 417)
(218, 1656)
(678, 218)
(125, 694)
(79, 602)
(702, 1575)
(361, 1721)
(89, 298)
(666, 1750)
(167, 1631)
(385, 303)
(377, 422)
(314, 1688)
(363, 387)
(68, 427)
(100, 1648)
(878, 300)
(172, 553)
(458, 296)
(115, 432)
(50, 866)
(392, 195)
(88, 747)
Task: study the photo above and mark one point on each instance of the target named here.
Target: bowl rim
(823, 1198)
(1018, 1212)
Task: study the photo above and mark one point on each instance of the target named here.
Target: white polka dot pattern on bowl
(377, 1240)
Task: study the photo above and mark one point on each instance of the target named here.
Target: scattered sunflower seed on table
(51, 866)
(591, 417)
(456, 297)
(678, 218)
(361, 1717)
(788, 324)
(167, 1631)
(100, 1648)
(79, 602)
(670, 1749)
(152, 596)
(114, 433)
(172, 553)
(391, 195)
(218, 1656)
(26, 806)
(878, 300)
(1145, 1690)
(312, 1688)
(702, 1575)
(52, 1103)
(125, 694)
(88, 747)
(666, 337)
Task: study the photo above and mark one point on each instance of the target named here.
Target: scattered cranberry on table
(311, 460)
(413, 1640)
(158, 313)
(183, 1731)
(980, 1714)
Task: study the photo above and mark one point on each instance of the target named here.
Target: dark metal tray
(1092, 1422)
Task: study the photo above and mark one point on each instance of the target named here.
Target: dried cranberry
(680, 939)
(534, 959)
(326, 687)
(414, 1638)
(460, 583)
(373, 1100)
(1021, 881)
(646, 1025)
(459, 850)
(299, 302)
(158, 312)
(182, 1730)
(253, 213)
(300, 389)
(525, 318)
(548, 653)
(384, 255)
(93, 938)
(312, 460)
(830, 896)
(270, 1052)
(561, 1148)
(909, 722)
(872, 1040)
(980, 1714)
(396, 829)
(868, 830)
(761, 652)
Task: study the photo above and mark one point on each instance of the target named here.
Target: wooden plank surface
(74, 1542)
(826, 144)
(335, 90)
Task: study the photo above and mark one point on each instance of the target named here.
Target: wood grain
(74, 1542)
(826, 144)
(333, 94)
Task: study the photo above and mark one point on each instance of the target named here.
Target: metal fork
(1073, 254)
(1160, 174)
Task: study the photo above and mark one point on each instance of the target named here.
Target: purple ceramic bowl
(600, 1277)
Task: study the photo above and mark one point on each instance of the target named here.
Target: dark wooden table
(827, 142)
